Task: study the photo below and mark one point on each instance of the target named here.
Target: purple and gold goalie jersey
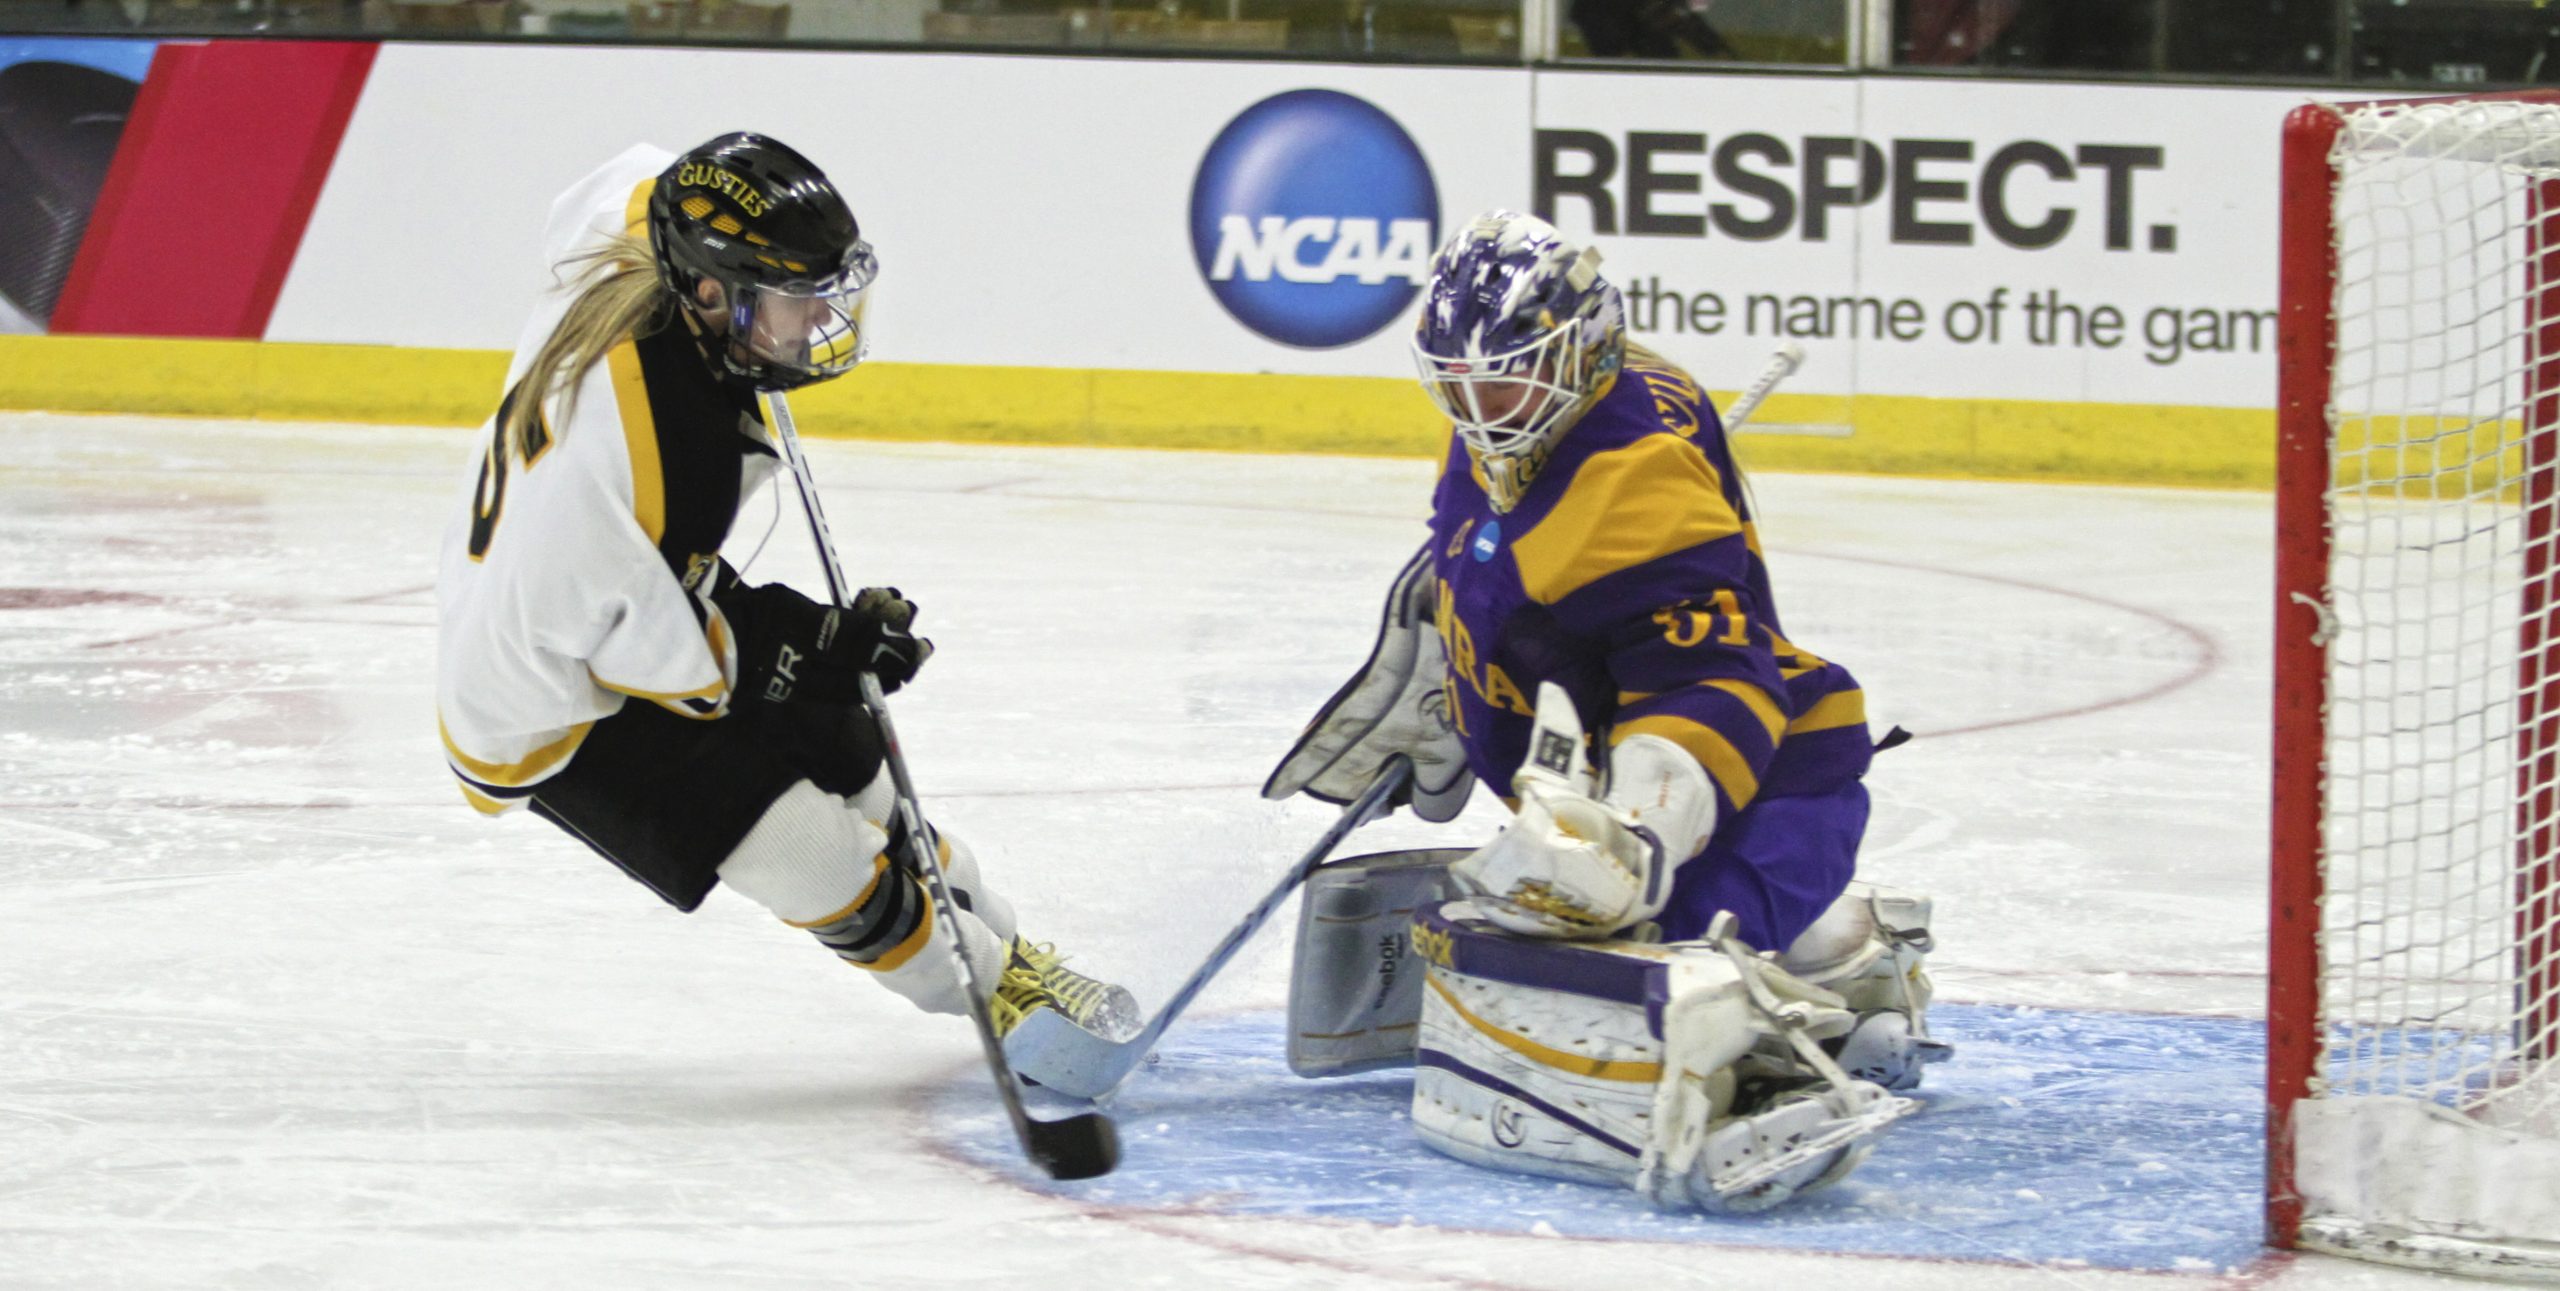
(1629, 573)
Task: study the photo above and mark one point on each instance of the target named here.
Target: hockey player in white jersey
(1661, 972)
(599, 662)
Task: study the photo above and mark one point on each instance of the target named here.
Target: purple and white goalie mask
(1519, 335)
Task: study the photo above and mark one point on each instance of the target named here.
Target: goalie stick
(1077, 1062)
(1782, 364)
(1080, 1146)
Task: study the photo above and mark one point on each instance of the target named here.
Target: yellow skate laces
(1036, 977)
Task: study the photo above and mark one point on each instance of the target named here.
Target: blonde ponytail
(619, 298)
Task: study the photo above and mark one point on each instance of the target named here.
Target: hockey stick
(1075, 1147)
(1782, 364)
(1076, 1061)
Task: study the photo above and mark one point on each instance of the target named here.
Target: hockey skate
(1871, 949)
(1037, 982)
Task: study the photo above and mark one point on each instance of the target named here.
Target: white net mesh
(2440, 941)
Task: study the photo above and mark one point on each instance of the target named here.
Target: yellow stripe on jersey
(1752, 697)
(1634, 1073)
(481, 802)
(509, 775)
(1708, 745)
(635, 212)
(699, 692)
(1755, 699)
(640, 435)
(1624, 507)
(1847, 708)
(715, 631)
(1793, 660)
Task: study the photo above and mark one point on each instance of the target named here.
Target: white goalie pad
(1692, 1073)
(1355, 986)
(1394, 704)
(1871, 948)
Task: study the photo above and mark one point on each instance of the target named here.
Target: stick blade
(1082, 1146)
(1067, 1059)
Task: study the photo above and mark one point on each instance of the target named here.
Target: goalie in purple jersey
(1599, 1005)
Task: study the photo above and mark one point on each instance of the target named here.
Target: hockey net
(2414, 1005)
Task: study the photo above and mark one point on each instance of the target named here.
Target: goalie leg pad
(1689, 1073)
(1871, 947)
(1538, 1080)
(1355, 987)
(1795, 1123)
(1799, 1142)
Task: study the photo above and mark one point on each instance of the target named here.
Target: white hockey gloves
(1573, 864)
(1394, 704)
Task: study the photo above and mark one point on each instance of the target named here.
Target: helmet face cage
(781, 337)
(793, 272)
(1519, 334)
(1505, 405)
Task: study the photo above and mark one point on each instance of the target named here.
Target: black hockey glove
(793, 648)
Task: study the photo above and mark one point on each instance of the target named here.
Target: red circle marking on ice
(2208, 656)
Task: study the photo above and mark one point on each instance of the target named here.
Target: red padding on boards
(205, 203)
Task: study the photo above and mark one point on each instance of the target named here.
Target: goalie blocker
(1702, 1074)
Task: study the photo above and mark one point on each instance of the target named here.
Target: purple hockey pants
(1777, 866)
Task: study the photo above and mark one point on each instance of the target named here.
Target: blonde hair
(619, 297)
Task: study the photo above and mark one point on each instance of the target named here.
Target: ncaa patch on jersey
(1313, 218)
(1488, 541)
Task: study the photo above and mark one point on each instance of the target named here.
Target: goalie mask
(1519, 335)
(786, 267)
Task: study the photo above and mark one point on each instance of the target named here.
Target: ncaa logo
(1313, 218)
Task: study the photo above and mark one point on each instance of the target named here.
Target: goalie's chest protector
(1503, 624)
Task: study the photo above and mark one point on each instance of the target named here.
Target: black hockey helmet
(748, 213)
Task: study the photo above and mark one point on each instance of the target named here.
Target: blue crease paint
(2123, 1141)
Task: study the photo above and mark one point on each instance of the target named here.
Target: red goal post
(2413, 1017)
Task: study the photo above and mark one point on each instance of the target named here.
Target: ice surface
(277, 1010)
(2128, 1141)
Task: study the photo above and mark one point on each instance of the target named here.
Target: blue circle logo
(1313, 218)
(1488, 541)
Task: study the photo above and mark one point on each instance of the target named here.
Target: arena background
(1993, 279)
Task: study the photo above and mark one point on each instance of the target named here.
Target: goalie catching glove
(791, 648)
(1580, 864)
(1394, 704)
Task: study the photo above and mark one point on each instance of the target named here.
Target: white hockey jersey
(575, 576)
